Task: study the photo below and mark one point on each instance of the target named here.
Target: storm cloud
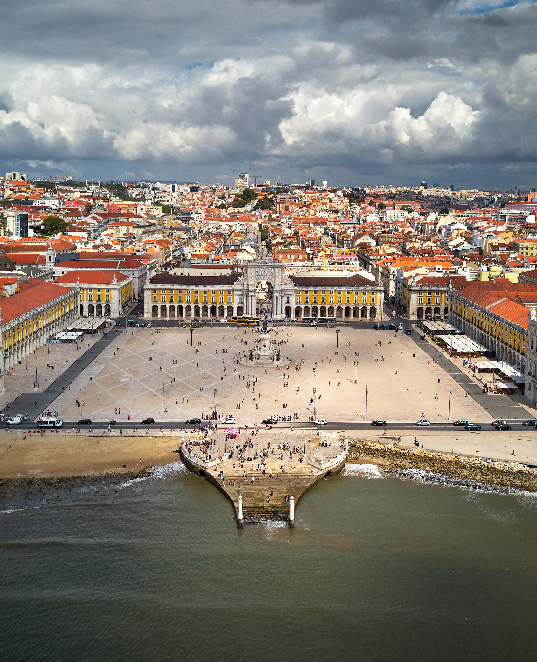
(352, 91)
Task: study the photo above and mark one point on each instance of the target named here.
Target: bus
(245, 320)
(49, 422)
(312, 321)
(326, 320)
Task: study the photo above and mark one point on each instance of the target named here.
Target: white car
(16, 420)
(422, 422)
(229, 420)
(321, 421)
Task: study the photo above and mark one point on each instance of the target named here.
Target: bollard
(240, 520)
(292, 512)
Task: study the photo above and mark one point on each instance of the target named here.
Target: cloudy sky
(354, 92)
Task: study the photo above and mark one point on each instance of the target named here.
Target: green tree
(407, 208)
(244, 198)
(3, 222)
(381, 206)
(267, 202)
(166, 209)
(53, 225)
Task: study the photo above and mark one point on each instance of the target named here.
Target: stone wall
(508, 474)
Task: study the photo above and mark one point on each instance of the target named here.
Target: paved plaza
(373, 374)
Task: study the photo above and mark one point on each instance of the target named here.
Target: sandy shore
(56, 455)
(64, 454)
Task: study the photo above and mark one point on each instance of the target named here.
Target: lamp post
(337, 337)
(191, 331)
(449, 406)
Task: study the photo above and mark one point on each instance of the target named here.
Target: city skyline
(347, 92)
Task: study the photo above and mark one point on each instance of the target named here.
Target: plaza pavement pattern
(158, 374)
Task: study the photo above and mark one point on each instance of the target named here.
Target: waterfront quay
(263, 476)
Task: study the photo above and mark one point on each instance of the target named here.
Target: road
(335, 425)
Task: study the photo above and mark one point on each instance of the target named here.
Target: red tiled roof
(26, 258)
(102, 265)
(512, 311)
(30, 296)
(91, 277)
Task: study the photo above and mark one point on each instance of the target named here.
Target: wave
(365, 470)
(422, 476)
(172, 469)
(163, 471)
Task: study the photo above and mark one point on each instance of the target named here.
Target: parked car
(84, 421)
(269, 421)
(408, 331)
(379, 421)
(148, 421)
(461, 421)
(112, 422)
(502, 426)
(193, 421)
(229, 420)
(400, 327)
(499, 421)
(376, 326)
(422, 422)
(531, 423)
(17, 419)
(472, 426)
(392, 326)
(321, 421)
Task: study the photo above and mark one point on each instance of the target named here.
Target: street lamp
(337, 337)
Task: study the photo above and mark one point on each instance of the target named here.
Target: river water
(376, 568)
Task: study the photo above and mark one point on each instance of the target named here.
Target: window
(107, 295)
(162, 296)
(154, 293)
(90, 295)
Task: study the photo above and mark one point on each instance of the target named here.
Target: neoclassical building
(496, 316)
(102, 293)
(29, 317)
(263, 288)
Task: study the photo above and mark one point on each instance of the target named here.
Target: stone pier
(268, 473)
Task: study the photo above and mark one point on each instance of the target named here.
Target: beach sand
(66, 454)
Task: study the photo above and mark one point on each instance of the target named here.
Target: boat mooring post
(292, 512)
(240, 520)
